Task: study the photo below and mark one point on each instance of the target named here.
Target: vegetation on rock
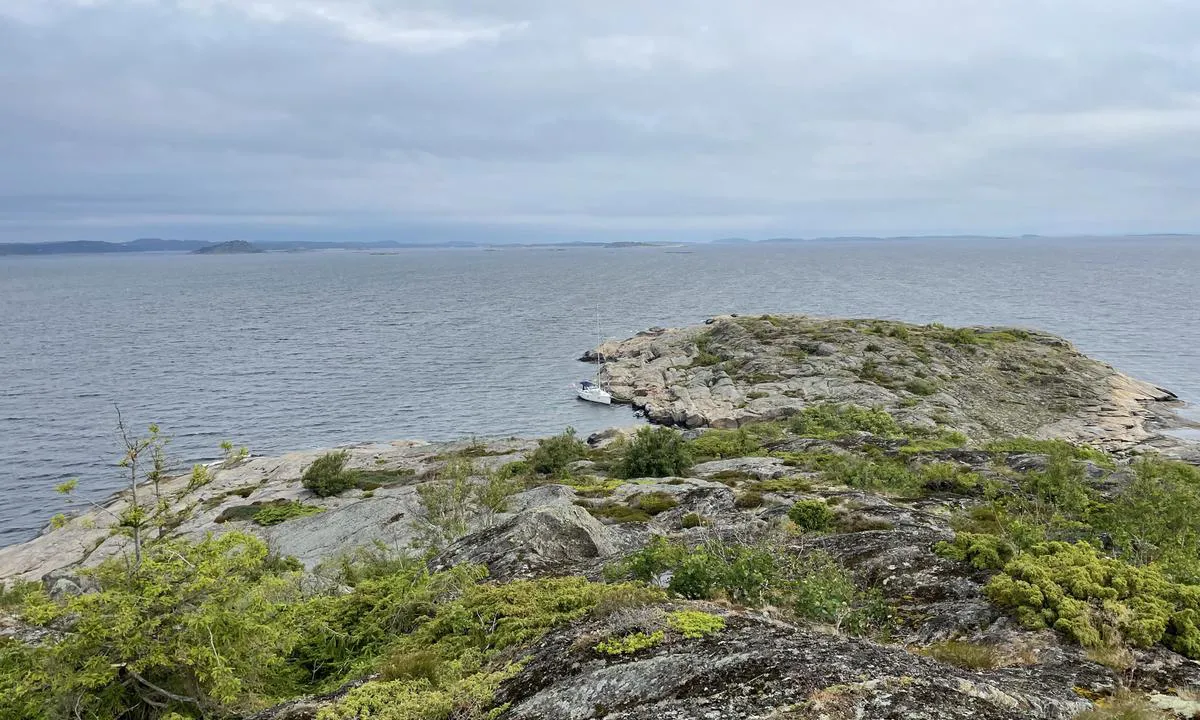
(655, 452)
(327, 474)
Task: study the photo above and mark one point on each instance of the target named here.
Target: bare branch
(165, 693)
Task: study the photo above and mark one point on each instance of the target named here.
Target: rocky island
(232, 247)
(848, 519)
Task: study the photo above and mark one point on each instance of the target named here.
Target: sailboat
(592, 390)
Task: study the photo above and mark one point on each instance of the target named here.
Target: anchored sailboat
(593, 390)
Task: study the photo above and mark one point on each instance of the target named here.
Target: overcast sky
(687, 119)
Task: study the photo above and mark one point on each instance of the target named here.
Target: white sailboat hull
(594, 394)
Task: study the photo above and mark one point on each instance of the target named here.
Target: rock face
(986, 382)
(543, 541)
(757, 667)
(388, 515)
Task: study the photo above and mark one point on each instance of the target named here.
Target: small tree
(656, 452)
(448, 502)
(233, 455)
(554, 455)
(136, 517)
(327, 474)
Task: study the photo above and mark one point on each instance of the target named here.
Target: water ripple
(287, 351)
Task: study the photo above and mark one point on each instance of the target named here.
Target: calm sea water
(291, 351)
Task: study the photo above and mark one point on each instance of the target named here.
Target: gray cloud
(201, 117)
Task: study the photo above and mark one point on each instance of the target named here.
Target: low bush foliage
(813, 586)
(721, 444)
(655, 452)
(1097, 600)
(553, 456)
(631, 643)
(982, 551)
(275, 513)
(811, 515)
(327, 474)
(695, 624)
(829, 421)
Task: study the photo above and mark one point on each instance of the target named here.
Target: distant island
(92, 247)
(200, 247)
(233, 247)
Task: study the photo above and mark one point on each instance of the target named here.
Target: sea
(298, 350)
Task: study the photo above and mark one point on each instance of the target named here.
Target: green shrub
(918, 386)
(1098, 600)
(1025, 445)
(412, 665)
(277, 512)
(972, 656)
(829, 421)
(655, 452)
(1156, 518)
(719, 444)
(554, 455)
(691, 520)
(820, 589)
(748, 500)
(327, 474)
(982, 551)
(936, 442)
(218, 594)
(811, 515)
(468, 698)
(653, 503)
(947, 477)
(867, 474)
(631, 643)
(814, 586)
(694, 624)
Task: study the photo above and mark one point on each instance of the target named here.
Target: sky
(535, 119)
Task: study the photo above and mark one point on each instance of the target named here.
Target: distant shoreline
(154, 245)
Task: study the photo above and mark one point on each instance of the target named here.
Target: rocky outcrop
(551, 540)
(758, 667)
(986, 382)
(387, 515)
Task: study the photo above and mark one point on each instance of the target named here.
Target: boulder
(546, 540)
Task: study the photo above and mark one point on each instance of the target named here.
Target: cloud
(765, 117)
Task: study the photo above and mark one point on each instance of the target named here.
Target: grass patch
(782, 485)
(368, 480)
(282, 511)
(732, 477)
(653, 503)
(616, 512)
(968, 655)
